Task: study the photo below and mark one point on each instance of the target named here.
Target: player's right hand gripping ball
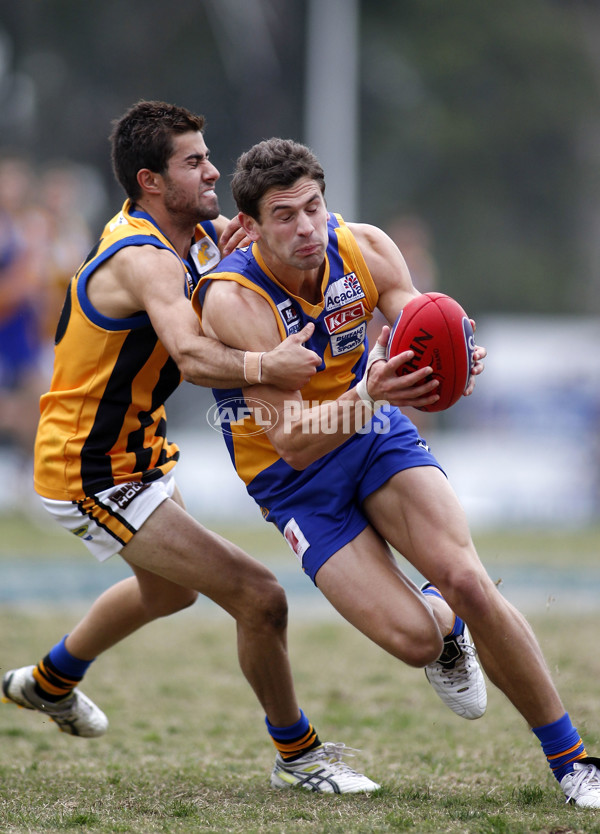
(438, 330)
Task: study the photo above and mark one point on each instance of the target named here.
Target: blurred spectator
(44, 237)
(413, 237)
(21, 377)
(65, 202)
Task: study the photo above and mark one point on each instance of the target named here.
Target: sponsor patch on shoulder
(290, 316)
(120, 220)
(205, 255)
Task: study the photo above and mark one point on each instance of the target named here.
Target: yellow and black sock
(58, 673)
(50, 684)
(293, 742)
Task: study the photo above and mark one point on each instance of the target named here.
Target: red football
(438, 330)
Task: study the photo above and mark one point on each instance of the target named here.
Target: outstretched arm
(148, 279)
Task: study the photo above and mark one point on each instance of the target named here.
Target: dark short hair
(143, 138)
(273, 163)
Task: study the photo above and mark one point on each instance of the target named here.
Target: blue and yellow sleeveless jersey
(103, 420)
(348, 298)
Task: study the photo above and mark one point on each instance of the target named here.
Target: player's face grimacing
(189, 181)
(292, 230)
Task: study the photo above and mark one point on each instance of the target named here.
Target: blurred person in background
(44, 236)
(22, 258)
(68, 196)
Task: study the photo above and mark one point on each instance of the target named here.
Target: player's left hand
(385, 385)
(291, 365)
(233, 237)
(479, 354)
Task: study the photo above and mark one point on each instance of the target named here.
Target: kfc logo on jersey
(348, 340)
(335, 321)
(290, 317)
(343, 291)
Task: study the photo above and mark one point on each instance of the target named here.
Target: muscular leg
(125, 607)
(174, 558)
(364, 583)
(419, 514)
(171, 545)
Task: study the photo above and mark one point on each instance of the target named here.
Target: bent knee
(265, 606)
(416, 648)
(186, 599)
(470, 593)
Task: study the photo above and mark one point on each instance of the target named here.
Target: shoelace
(460, 670)
(585, 777)
(336, 750)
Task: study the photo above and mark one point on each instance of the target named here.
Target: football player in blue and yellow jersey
(343, 474)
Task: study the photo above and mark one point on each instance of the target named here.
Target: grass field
(187, 750)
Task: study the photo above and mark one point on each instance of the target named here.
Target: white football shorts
(106, 522)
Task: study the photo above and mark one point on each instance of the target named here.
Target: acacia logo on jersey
(343, 291)
(252, 415)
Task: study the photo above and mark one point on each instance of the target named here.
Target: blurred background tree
(482, 119)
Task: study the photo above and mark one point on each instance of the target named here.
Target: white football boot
(76, 714)
(322, 770)
(582, 786)
(457, 678)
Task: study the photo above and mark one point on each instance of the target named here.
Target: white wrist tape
(377, 353)
(253, 367)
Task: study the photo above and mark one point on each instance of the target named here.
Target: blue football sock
(561, 744)
(59, 673)
(66, 663)
(458, 627)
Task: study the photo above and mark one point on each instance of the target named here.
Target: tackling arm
(149, 279)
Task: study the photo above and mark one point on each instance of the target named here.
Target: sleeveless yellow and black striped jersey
(103, 421)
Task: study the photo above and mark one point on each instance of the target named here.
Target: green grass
(187, 750)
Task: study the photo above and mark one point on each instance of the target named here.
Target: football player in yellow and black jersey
(341, 477)
(104, 465)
